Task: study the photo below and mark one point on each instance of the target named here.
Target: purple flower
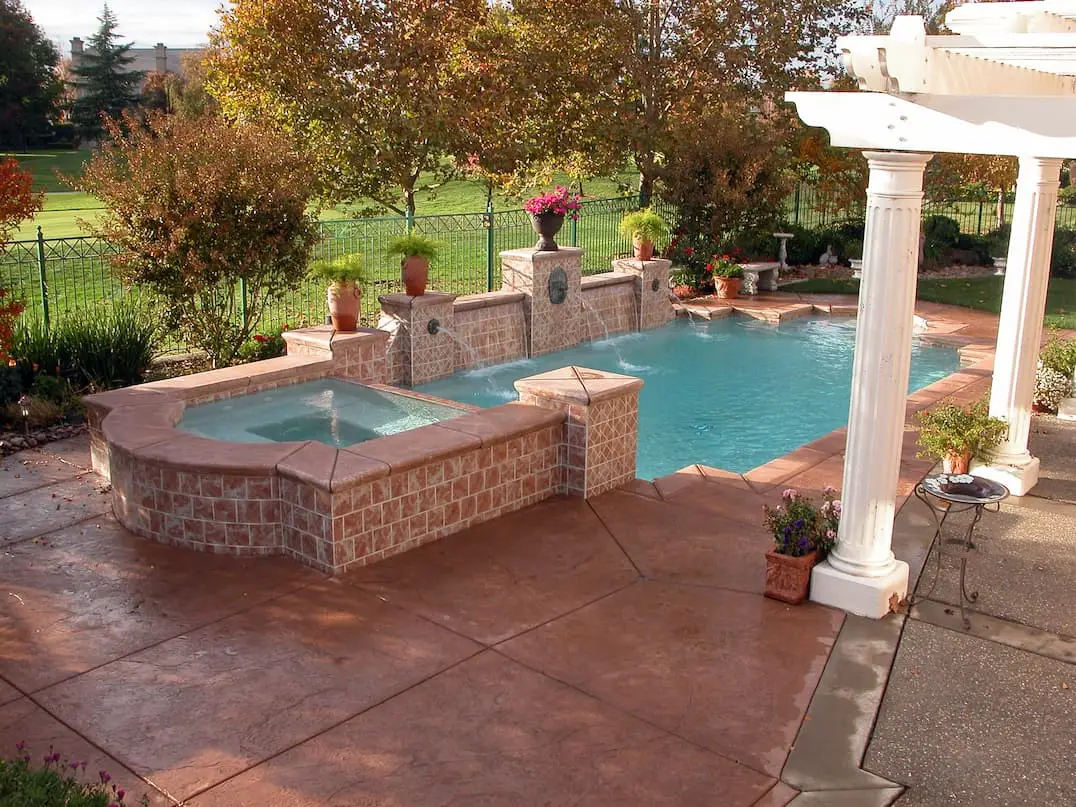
(105, 778)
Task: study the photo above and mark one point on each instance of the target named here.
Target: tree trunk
(646, 188)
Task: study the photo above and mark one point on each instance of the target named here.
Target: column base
(1067, 409)
(864, 596)
(1019, 479)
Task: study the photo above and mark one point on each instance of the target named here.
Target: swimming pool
(733, 394)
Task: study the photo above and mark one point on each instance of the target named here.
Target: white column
(1027, 272)
(861, 575)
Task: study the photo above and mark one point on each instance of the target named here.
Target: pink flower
(789, 493)
(689, 251)
(837, 508)
(831, 534)
(829, 490)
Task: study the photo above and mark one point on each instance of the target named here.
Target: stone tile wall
(550, 326)
(371, 520)
(494, 326)
(601, 428)
(651, 290)
(610, 305)
(415, 354)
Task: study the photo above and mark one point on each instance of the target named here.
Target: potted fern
(644, 227)
(344, 276)
(955, 434)
(415, 251)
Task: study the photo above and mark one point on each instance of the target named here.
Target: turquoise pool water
(334, 412)
(732, 394)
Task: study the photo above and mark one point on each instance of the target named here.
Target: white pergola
(1004, 84)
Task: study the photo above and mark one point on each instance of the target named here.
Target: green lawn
(63, 207)
(983, 293)
(43, 166)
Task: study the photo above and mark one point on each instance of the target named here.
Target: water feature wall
(420, 347)
(609, 305)
(550, 283)
(651, 290)
(492, 325)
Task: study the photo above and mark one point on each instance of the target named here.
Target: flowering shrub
(561, 201)
(1051, 387)
(55, 783)
(261, 346)
(799, 527)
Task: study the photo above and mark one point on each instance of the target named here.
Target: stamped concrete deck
(616, 651)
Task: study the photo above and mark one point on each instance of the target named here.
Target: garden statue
(829, 257)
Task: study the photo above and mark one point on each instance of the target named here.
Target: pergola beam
(980, 124)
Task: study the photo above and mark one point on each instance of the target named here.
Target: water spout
(473, 359)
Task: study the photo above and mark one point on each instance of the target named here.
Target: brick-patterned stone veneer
(337, 508)
(610, 304)
(493, 325)
(550, 326)
(360, 356)
(602, 427)
(416, 355)
(651, 290)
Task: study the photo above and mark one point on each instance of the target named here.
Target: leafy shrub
(807, 245)
(194, 206)
(980, 245)
(54, 784)
(1067, 195)
(104, 350)
(998, 241)
(940, 234)
(755, 244)
(10, 384)
(1059, 355)
(799, 527)
(263, 346)
(1063, 258)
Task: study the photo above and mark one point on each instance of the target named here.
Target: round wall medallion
(432, 327)
(655, 284)
(558, 286)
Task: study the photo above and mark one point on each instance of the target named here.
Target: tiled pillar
(422, 347)
(358, 356)
(1027, 272)
(861, 575)
(651, 290)
(602, 428)
(552, 303)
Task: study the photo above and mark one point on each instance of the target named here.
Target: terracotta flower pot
(415, 272)
(956, 463)
(727, 288)
(547, 225)
(788, 579)
(344, 299)
(644, 250)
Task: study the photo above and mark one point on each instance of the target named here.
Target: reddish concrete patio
(616, 651)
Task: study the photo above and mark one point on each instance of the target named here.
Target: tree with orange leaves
(18, 201)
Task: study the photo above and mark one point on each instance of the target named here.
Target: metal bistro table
(945, 494)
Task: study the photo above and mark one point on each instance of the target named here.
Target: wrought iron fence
(55, 277)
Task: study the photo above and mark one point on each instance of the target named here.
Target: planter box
(788, 579)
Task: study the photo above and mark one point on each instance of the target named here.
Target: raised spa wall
(574, 430)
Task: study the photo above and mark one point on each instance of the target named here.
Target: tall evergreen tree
(104, 84)
(29, 88)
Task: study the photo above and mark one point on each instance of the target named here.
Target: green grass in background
(64, 207)
(982, 293)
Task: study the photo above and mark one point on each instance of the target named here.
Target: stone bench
(760, 276)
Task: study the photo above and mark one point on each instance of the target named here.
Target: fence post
(979, 226)
(796, 214)
(573, 229)
(43, 283)
(489, 245)
(243, 300)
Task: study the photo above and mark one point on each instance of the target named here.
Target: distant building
(160, 58)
